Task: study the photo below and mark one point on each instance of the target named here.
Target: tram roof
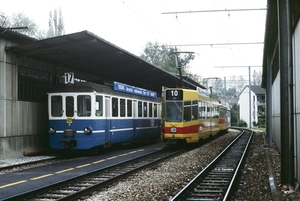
(84, 51)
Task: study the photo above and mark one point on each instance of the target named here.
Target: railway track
(218, 181)
(77, 187)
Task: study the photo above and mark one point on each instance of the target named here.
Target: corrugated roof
(87, 52)
(9, 34)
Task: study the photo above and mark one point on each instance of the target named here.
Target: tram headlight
(52, 130)
(87, 130)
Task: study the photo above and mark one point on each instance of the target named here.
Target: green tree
(56, 24)
(21, 20)
(234, 115)
(242, 123)
(163, 56)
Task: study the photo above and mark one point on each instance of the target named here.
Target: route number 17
(69, 78)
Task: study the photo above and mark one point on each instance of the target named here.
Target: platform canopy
(86, 52)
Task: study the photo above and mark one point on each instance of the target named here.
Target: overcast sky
(130, 24)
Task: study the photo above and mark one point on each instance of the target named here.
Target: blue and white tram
(86, 115)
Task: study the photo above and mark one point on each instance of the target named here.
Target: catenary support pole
(287, 172)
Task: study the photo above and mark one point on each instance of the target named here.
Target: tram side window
(155, 109)
(208, 109)
(150, 110)
(129, 108)
(202, 112)
(187, 111)
(194, 110)
(56, 106)
(84, 106)
(99, 101)
(122, 108)
(145, 109)
(140, 109)
(115, 107)
(215, 111)
(222, 113)
(69, 106)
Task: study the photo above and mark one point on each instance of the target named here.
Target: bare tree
(256, 78)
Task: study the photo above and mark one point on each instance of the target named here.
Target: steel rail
(185, 192)
(238, 168)
(145, 161)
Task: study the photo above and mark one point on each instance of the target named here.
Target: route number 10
(174, 93)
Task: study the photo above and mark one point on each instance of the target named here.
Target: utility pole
(249, 98)
(209, 78)
(225, 91)
(179, 67)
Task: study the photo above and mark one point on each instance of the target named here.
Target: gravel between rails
(165, 180)
(161, 182)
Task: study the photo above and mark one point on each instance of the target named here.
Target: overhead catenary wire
(223, 10)
(182, 26)
(145, 21)
(220, 44)
(230, 44)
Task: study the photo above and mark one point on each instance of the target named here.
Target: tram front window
(69, 106)
(174, 111)
(56, 106)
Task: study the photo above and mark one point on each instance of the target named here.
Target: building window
(32, 84)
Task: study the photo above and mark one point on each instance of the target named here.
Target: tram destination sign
(174, 94)
(134, 90)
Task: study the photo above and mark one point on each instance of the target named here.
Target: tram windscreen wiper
(177, 106)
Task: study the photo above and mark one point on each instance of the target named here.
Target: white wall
(296, 69)
(276, 128)
(244, 106)
(23, 125)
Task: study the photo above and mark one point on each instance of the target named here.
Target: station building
(281, 72)
(29, 67)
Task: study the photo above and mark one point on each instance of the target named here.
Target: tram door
(107, 120)
(135, 120)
